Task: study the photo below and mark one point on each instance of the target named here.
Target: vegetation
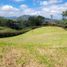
(43, 44)
(41, 47)
(21, 24)
(64, 14)
(36, 20)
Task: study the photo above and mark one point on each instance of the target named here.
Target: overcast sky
(45, 8)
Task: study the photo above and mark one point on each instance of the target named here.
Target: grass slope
(6, 29)
(8, 32)
(41, 47)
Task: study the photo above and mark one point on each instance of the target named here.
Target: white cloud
(54, 7)
(24, 9)
(45, 9)
(8, 8)
(55, 1)
(23, 6)
(50, 2)
(44, 3)
(18, 0)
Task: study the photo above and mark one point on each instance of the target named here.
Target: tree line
(22, 26)
(33, 21)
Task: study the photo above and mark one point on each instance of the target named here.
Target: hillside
(9, 32)
(6, 29)
(41, 47)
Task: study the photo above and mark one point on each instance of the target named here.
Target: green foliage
(64, 14)
(35, 20)
(31, 22)
(3, 21)
(22, 23)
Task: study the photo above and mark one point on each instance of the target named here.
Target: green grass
(6, 29)
(41, 47)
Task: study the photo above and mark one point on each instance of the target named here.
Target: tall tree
(51, 16)
(36, 20)
(64, 14)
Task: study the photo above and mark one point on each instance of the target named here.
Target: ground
(41, 47)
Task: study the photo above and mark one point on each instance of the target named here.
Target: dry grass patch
(57, 57)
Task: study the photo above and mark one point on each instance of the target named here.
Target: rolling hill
(9, 32)
(41, 47)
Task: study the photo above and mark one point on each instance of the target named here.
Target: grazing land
(41, 47)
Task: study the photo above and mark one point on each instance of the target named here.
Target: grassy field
(6, 29)
(41, 47)
(9, 32)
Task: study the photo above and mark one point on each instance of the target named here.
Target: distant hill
(23, 17)
(26, 17)
(12, 17)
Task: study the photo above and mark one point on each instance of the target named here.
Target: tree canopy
(64, 14)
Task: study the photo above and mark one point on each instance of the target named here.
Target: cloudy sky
(45, 8)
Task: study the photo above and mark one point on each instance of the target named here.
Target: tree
(64, 14)
(35, 20)
(13, 24)
(51, 16)
(3, 21)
